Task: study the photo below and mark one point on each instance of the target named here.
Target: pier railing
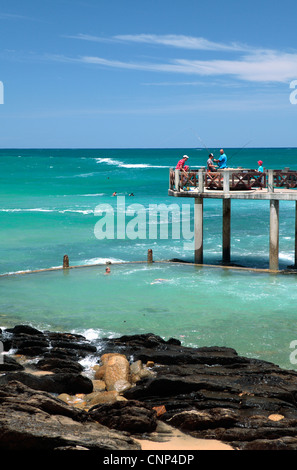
(235, 179)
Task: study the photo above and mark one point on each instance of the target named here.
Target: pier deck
(264, 194)
(236, 183)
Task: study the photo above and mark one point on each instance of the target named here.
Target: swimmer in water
(159, 281)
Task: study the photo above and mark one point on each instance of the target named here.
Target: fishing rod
(238, 151)
(199, 138)
(232, 156)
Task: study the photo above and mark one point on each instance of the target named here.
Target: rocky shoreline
(137, 388)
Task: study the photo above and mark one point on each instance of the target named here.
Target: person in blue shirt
(222, 161)
(260, 169)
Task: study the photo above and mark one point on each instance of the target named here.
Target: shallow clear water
(199, 306)
(47, 209)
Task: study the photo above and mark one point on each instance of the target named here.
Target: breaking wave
(119, 164)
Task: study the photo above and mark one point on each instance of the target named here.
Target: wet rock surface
(214, 393)
(131, 416)
(32, 420)
(138, 381)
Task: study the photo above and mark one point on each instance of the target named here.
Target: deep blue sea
(50, 203)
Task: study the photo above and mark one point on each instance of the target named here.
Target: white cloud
(89, 37)
(259, 67)
(248, 64)
(181, 41)
(10, 16)
(173, 40)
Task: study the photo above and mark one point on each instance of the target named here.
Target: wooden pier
(236, 183)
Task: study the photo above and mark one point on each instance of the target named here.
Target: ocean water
(49, 206)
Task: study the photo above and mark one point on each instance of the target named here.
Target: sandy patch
(173, 439)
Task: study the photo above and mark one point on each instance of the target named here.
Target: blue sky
(127, 73)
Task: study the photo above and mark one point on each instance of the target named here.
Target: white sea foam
(78, 211)
(37, 209)
(90, 334)
(118, 163)
(60, 211)
(11, 273)
(80, 175)
(17, 272)
(95, 336)
(84, 175)
(102, 261)
(91, 195)
(286, 257)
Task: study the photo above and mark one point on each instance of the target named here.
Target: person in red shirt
(183, 169)
(180, 164)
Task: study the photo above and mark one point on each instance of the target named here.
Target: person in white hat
(184, 171)
(180, 164)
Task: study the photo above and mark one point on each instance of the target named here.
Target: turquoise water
(47, 209)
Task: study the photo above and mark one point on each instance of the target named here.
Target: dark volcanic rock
(24, 329)
(55, 364)
(214, 393)
(17, 396)
(71, 344)
(234, 401)
(285, 443)
(150, 347)
(208, 392)
(9, 363)
(62, 360)
(131, 416)
(31, 420)
(29, 341)
(211, 419)
(54, 383)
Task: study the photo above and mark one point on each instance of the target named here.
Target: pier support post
(226, 230)
(295, 264)
(201, 181)
(274, 235)
(198, 230)
(177, 180)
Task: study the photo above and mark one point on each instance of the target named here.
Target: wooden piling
(65, 261)
(149, 255)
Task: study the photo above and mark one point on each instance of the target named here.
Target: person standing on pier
(260, 167)
(222, 161)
